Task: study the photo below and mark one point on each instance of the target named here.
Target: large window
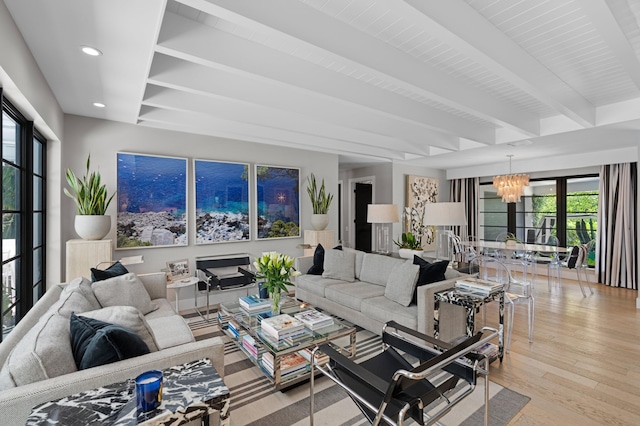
(23, 223)
(561, 210)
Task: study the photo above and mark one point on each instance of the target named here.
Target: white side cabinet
(82, 255)
(313, 238)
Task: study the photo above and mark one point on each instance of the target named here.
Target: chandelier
(511, 186)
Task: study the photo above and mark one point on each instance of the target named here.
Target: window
(562, 209)
(23, 216)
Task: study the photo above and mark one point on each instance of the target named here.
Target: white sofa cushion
(401, 283)
(377, 268)
(171, 331)
(383, 309)
(44, 352)
(316, 284)
(359, 257)
(124, 290)
(83, 286)
(129, 317)
(339, 265)
(352, 294)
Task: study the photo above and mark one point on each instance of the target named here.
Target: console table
(190, 391)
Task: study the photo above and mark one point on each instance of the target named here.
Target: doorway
(363, 197)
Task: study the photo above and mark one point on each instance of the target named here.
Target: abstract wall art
(278, 196)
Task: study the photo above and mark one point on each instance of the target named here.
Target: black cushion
(429, 273)
(95, 342)
(114, 270)
(318, 261)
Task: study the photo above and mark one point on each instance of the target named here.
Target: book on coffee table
(313, 319)
(281, 326)
(254, 304)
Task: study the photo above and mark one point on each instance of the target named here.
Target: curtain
(616, 251)
(466, 190)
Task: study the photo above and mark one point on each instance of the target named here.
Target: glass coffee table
(245, 331)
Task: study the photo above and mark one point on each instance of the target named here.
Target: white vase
(408, 253)
(92, 227)
(319, 221)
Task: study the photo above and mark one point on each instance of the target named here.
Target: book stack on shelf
(290, 364)
(313, 319)
(281, 327)
(233, 328)
(478, 287)
(252, 304)
(321, 359)
(250, 345)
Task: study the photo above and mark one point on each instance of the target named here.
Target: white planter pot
(408, 253)
(92, 227)
(319, 221)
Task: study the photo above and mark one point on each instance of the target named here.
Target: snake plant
(88, 193)
(320, 199)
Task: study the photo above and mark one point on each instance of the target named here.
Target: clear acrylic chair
(578, 260)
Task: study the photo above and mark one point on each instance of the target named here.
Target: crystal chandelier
(511, 187)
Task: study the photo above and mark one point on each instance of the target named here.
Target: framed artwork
(152, 201)
(222, 201)
(178, 269)
(420, 191)
(278, 207)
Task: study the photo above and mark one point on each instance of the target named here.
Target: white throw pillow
(129, 317)
(402, 283)
(339, 265)
(124, 290)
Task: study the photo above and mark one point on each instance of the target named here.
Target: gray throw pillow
(124, 290)
(339, 265)
(402, 283)
(129, 317)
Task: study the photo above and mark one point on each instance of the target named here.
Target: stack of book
(253, 304)
(313, 319)
(478, 286)
(281, 327)
(290, 364)
(489, 350)
(233, 328)
(250, 345)
(321, 359)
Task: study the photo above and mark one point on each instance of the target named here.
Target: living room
(331, 150)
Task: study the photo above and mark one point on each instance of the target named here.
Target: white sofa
(365, 300)
(172, 340)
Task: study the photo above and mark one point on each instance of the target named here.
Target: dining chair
(578, 260)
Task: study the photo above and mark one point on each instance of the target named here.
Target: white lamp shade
(444, 214)
(382, 213)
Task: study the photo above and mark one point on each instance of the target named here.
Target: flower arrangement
(409, 241)
(277, 270)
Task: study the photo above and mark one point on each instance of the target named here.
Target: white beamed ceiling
(446, 84)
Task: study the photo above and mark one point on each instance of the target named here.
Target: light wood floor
(583, 367)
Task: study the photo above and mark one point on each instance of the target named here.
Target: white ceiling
(446, 84)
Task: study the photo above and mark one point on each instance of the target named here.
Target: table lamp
(382, 215)
(446, 215)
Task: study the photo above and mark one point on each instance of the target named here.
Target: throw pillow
(124, 290)
(318, 261)
(83, 286)
(96, 343)
(339, 265)
(129, 317)
(429, 272)
(114, 270)
(401, 284)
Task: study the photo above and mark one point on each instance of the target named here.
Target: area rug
(254, 402)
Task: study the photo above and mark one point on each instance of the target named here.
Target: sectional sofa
(37, 359)
(369, 290)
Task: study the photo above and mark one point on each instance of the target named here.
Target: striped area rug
(254, 402)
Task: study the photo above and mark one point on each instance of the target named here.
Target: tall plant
(320, 199)
(89, 194)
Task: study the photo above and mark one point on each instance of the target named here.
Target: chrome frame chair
(388, 389)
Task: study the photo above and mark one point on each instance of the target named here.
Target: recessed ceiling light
(91, 51)
(99, 105)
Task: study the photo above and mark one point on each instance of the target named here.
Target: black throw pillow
(429, 273)
(114, 270)
(95, 342)
(318, 261)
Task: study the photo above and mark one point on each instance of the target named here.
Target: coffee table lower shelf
(249, 324)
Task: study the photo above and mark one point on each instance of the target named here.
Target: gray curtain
(466, 190)
(616, 251)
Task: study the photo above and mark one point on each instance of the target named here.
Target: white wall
(103, 139)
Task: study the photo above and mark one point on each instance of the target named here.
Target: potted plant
(91, 199)
(409, 245)
(277, 270)
(320, 200)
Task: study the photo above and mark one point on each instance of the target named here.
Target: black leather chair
(389, 389)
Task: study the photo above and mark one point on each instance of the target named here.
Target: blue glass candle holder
(149, 390)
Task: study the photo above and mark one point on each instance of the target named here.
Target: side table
(191, 281)
(472, 304)
(190, 391)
